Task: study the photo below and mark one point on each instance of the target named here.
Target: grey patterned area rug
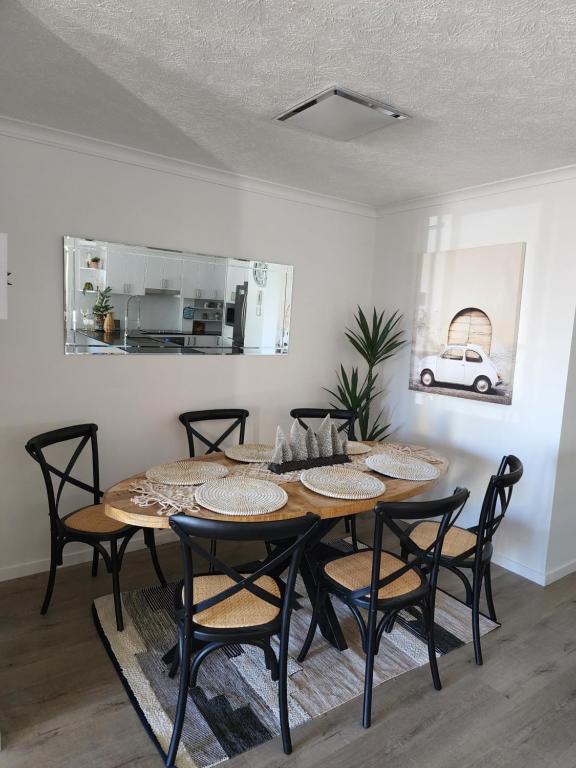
(234, 706)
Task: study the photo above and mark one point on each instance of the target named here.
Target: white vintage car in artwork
(463, 364)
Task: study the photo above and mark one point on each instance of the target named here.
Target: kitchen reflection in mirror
(128, 299)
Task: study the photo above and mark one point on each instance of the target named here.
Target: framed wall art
(466, 322)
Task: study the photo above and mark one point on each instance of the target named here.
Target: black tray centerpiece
(305, 449)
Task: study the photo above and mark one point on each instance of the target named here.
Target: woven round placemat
(241, 496)
(354, 448)
(186, 472)
(250, 453)
(402, 466)
(342, 483)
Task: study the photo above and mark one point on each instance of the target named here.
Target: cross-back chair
(383, 584)
(238, 418)
(348, 422)
(227, 607)
(471, 548)
(88, 525)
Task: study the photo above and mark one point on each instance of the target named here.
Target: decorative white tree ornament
(305, 449)
(286, 451)
(277, 454)
(312, 444)
(279, 447)
(336, 441)
(324, 437)
(298, 441)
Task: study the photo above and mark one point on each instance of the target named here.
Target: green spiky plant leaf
(350, 392)
(376, 341)
(379, 341)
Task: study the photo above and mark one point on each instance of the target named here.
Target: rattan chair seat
(456, 542)
(240, 610)
(93, 520)
(354, 571)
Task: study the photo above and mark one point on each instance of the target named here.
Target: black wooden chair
(88, 525)
(348, 422)
(226, 607)
(471, 548)
(238, 418)
(382, 583)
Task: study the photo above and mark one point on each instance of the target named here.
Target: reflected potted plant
(94, 262)
(102, 308)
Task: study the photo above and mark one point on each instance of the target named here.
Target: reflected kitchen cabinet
(218, 279)
(125, 272)
(204, 279)
(193, 278)
(163, 273)
(189, 278)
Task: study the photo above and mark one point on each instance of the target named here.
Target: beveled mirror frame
(123, 299)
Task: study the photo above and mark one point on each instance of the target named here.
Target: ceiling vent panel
(341, 114)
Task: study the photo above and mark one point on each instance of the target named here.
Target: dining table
(120, 505)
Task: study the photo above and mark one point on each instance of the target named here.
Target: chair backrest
(85, 434)
(348, 418)
(497, 498)
(238, 417)
(389, 513)
(193, 531)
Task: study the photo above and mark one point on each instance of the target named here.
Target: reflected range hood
(162, 292)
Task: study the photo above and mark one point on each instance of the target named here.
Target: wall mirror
(128, 299)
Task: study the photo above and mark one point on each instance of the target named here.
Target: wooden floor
(62, 705)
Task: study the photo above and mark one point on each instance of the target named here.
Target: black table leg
(327, 619)
(169, 656)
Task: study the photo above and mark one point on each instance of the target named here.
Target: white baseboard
(74, 556)
(519, 568)
(84, 555)
(540, 577)
(560, 572)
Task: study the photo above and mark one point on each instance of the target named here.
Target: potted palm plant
(376, 342)
(102, 307)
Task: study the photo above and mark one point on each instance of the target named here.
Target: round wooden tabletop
(119, 505)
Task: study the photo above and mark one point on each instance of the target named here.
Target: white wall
(475, 435)
(563, 523)
(342, 257)
(47, 192)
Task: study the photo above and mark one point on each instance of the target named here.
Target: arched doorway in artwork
(471, 326)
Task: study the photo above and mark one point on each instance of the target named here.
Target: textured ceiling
(490, 84)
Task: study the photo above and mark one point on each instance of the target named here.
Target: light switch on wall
(3, 276)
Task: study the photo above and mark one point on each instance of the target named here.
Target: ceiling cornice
(540, 178)
(73, 142)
